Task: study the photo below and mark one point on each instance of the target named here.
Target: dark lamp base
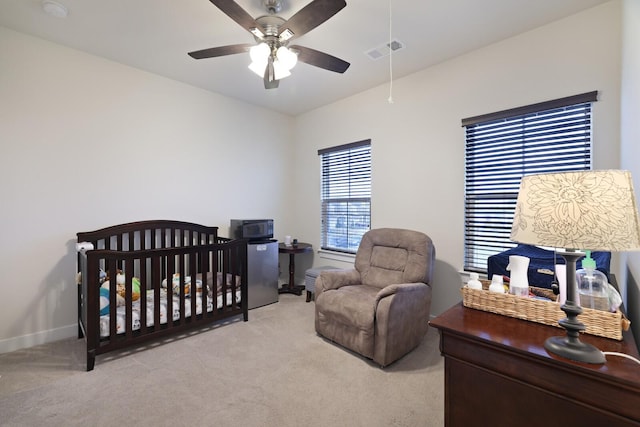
(574, 350)
(570, 346)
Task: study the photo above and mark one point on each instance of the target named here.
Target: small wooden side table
(293, 250)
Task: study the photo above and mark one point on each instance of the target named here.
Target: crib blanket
(135, 311)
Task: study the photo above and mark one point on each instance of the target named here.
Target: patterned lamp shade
(590, 210)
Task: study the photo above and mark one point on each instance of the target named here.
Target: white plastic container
(519, 281)
(497, 285)
(473, 282)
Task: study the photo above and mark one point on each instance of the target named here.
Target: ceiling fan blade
(312, 15)
(270, 81)
(320, 59)
(237, 13)
(220, 51)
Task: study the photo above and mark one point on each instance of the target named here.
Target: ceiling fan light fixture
(259, 58)
(280, 71)
(286, 57)
(260, 53)
(258, 68)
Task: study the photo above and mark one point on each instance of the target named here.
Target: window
(501, 148)
(345, 195)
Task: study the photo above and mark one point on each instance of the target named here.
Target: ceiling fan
(272, 56)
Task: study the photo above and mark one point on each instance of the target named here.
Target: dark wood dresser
(497, 373)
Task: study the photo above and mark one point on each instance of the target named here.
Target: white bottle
(473, 282)
(519, 283)
(496, 284)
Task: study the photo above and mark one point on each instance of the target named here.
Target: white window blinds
(501, 148)
(345, 195)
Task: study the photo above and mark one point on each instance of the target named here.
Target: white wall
(630, 142)
(87, 143)
(418, 143)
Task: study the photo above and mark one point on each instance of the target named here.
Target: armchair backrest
(391, 255)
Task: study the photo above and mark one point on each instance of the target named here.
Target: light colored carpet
(270, 371)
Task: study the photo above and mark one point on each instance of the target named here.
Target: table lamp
(588, 210)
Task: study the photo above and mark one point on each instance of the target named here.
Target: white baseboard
(42, 337)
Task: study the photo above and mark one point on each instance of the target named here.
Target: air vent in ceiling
(385, 49)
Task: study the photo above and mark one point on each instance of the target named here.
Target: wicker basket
(597, 322)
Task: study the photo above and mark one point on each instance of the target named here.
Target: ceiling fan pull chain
(390, 99)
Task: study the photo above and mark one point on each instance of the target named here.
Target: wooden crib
(148, 279)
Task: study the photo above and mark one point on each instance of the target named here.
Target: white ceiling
(155, 35)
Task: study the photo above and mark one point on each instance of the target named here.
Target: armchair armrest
(400, 288)
(402, 319)
(335, 279)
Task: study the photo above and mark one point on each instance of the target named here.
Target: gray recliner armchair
(380, 309)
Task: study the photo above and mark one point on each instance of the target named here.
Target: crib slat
(143, 239)
(202, 255)
(215, 258)
(163, 244)
(194, 286)
(181, 285)
(169, 275)
(113, 301)
(144, 263)
(156, 280)
(128, 296)
(225, 289)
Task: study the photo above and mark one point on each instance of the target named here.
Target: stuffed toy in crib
(175, 284)
(120, 290)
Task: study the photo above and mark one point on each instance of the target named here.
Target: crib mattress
(135, 310)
